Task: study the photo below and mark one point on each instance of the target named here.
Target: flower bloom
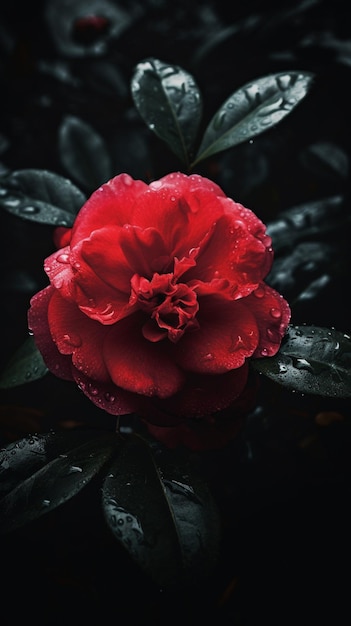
(157, 299)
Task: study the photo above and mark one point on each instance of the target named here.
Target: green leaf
(163, 513)
(25, 365)
(255, 107)
(84, 153)
(41, 196)
(170, 103)
(52, 484)
(313, 360)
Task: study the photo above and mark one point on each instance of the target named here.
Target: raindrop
(30, 210)
(284, 81)
(259, 292)
(74, 469)
(109, 397)
(302, 364)
(276, 313)
(73, 340)
(62, 258)
(208, 357)
(45, 503)
(11, 201)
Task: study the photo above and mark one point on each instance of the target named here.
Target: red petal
(228, 334)
(272, 315)
(234, 253)
(57, 363)
(136, 364)
(202, 395)
(106, 395)
(112, 203)
(75, 334)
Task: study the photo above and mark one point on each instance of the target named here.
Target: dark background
(283, 488)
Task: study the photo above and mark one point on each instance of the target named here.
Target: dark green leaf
(162, 513)
(84, 153)
(170, 103)
(24, 366)
(255, 107)
(55, 482)
(306, 221)
(312, 360)
(41, 196)
(20, 459)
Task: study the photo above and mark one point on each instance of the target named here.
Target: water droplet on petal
(208, 357)
(259, 292)
(63, 258)
(276, 313)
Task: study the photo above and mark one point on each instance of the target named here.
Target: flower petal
(234, 253)
(77, 335)
(106, 395)
(272, 314)
(201, 396)
(56, 362)
(112, 204)
(138, 365)
(228, 334)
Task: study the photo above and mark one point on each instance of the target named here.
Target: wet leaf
(255, 107)
(163, 513)
(294, 271)
(170, 103)
(46, 482)
(41, 196)
(309, 220)
(83, 153)
(25, 366)
(312, 359)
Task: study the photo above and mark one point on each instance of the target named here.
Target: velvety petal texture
(157, 301)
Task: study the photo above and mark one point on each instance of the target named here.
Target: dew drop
(73, 340)
(276, 313)
(11, 201)
(208, 357)
(74, 469)
(45, 503)
(259, 292)
(109, 397)
(30, 210)
(63, 258)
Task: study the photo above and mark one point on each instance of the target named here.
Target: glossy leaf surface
(41, 196)
(162, 513)
(170, 103)
(47, 480)
(25, 366)
(255, 107)
(83, 153)
(312, 360)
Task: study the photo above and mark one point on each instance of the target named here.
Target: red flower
(158, 300)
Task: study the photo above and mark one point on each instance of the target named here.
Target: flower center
(171, 306)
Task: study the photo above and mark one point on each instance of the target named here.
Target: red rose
(157, 299)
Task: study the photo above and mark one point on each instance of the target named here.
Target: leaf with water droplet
(25, 366)
(162, 512)
(170, 103)
(252, 109)
(308, 220)
(312, 360)
(84, 153)
(50, 482)
(41, 196)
